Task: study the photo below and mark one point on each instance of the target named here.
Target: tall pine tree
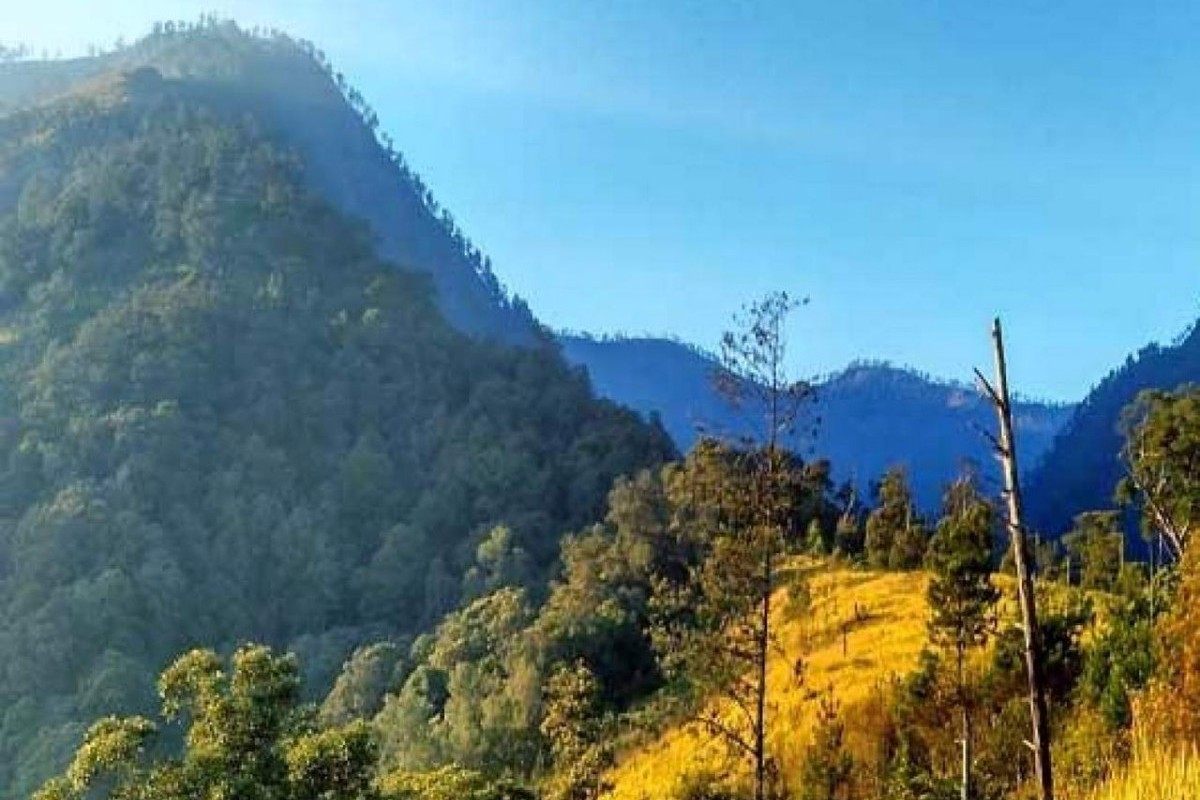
(961, 594)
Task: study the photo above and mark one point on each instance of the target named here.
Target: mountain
(871, 416)
(226, 413)
(290, 89)
(1081, 469)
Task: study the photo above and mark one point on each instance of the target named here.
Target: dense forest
(225, 417)
(278, 520)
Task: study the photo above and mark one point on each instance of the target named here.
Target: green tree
(961, 595)
(472, 695)
(247, 736)
(1095, 550)
(366, 678)
(828, 767)
(896, 536)
(1121, 661)
(450, 783)
(814, 539)
(848, 535)
(499, 561)
(574, 724)
(1162, 462)
(745, 519)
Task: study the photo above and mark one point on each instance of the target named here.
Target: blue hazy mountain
(871, 415)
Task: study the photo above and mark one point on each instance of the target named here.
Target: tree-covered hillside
(871, 416)
(1083, 465)
(293, 91)
(224, 417)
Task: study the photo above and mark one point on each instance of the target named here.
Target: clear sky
(912, 167)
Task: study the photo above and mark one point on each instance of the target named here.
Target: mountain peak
(291, 88)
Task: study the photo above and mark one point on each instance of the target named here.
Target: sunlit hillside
(1154, 774)
(859, 631)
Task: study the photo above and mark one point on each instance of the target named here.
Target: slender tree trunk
(966, 755)
(966, 729)
(760, 711)
(1033, 662)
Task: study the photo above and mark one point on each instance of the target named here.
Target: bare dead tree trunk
(1007, 452)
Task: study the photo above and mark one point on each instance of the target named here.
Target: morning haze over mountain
(336, 461)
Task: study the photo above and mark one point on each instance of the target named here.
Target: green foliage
(1095, 550)
(499, 561)
(1162, 459)
(896, 536)
(449, 783)
(961, 594)
(370, 673)
(574, 727)
(849, 536)
(473, 692)
(706, 787)
(908, 781)
(827, 766)
(472, 698)
(1062, 626)
(227, 419)
(246, 736)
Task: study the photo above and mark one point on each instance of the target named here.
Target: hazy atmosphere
(578, 401)
(913, 168)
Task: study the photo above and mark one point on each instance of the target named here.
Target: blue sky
(912, 167)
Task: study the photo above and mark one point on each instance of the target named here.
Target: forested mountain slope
(298, 97)
(1082, 468)
(224, 417)
(871, 416)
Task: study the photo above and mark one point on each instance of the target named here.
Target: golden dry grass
(881, 642)
(1154, 774)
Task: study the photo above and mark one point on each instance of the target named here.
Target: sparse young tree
(828, 766)
(744, 519)
(961, 594)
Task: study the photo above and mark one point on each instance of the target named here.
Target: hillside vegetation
(302, 102)
(226, 418)
(1154, 774)
(857, 634)
(1083, 465)
(380, 542)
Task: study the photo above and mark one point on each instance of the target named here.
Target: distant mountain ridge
(872, 415)
(1082, 467)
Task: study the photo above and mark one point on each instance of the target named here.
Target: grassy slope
(882, 644)
(1155, 774)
